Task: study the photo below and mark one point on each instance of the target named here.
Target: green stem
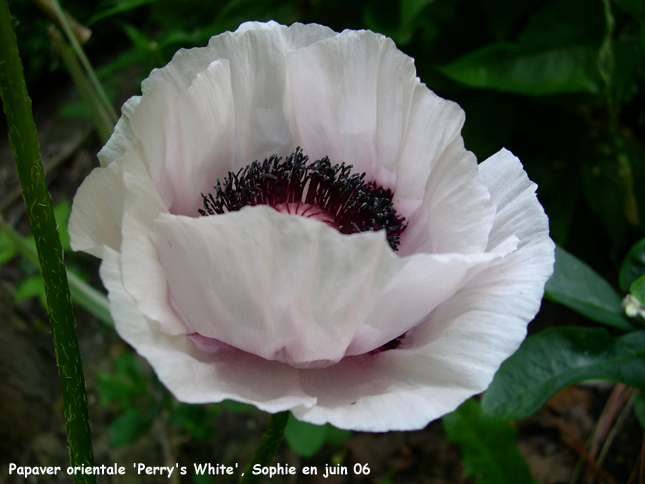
(271, 440)
(84, 60)
(100, 116)
(83, 294)
(22, 133)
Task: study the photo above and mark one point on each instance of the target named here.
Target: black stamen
(355, 205)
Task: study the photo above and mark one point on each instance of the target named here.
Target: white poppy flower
(285, 312)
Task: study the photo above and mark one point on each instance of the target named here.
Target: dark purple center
(318, 190)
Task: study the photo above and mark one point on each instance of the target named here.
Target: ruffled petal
(187, 136)
(295, 290)
(456, 353)
(122, 137)
(380, 80)
(143, 275)
(256, 53)
(97, 211)
(196, 376)
(401, 134)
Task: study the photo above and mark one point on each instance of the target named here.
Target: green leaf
(304, 438)
(410, 10)
(7, 248)
(197, 420)
(30, 288)
(578, 287)
(126, 384)
(131, 425)
(558, 357)
(488, 446)
(507, 67)
(115, 388)
(638, 289)
(336, 436)
(633, 265)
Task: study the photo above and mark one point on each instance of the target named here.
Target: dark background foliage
(557, 82)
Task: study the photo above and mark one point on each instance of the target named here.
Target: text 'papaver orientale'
(373, 302)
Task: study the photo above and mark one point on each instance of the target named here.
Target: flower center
(319, 190)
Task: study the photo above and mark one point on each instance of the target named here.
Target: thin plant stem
(22, 133)
(82, 293)
(80, 53)
(100, 116)
(81, 32)
(271, 440)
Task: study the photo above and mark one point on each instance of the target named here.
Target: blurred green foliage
(558, 82)
(488, 446)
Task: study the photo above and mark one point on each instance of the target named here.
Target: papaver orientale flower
(371, 274)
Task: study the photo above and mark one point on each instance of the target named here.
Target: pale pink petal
(366, 132)
(196, 376)
(404, 136)
(187, 136)
(256, 53)
(122, 137)
(143, 275)
(295, 290)
(458, 350)
(97, 211)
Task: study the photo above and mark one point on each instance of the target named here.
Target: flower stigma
(319, 190)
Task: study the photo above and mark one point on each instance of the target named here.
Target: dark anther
(354, 205)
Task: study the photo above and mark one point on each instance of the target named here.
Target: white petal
(187, 136)
(280, 286)
(97, 211)
(456, 353)
(256, 53)
(121, 138)
(192, 375)
(366, 132)
(295, 290)
(403, 135)
(425, 281)
(143, 275)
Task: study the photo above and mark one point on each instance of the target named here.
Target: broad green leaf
(508, 68)
(131, 425)
(488, 446)
(304, 438)
(638, 289)
(126, 384)
(7, 248)
(410, 10)
(633, 265)
(578, 287)
(558, 357)
(337, 436)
